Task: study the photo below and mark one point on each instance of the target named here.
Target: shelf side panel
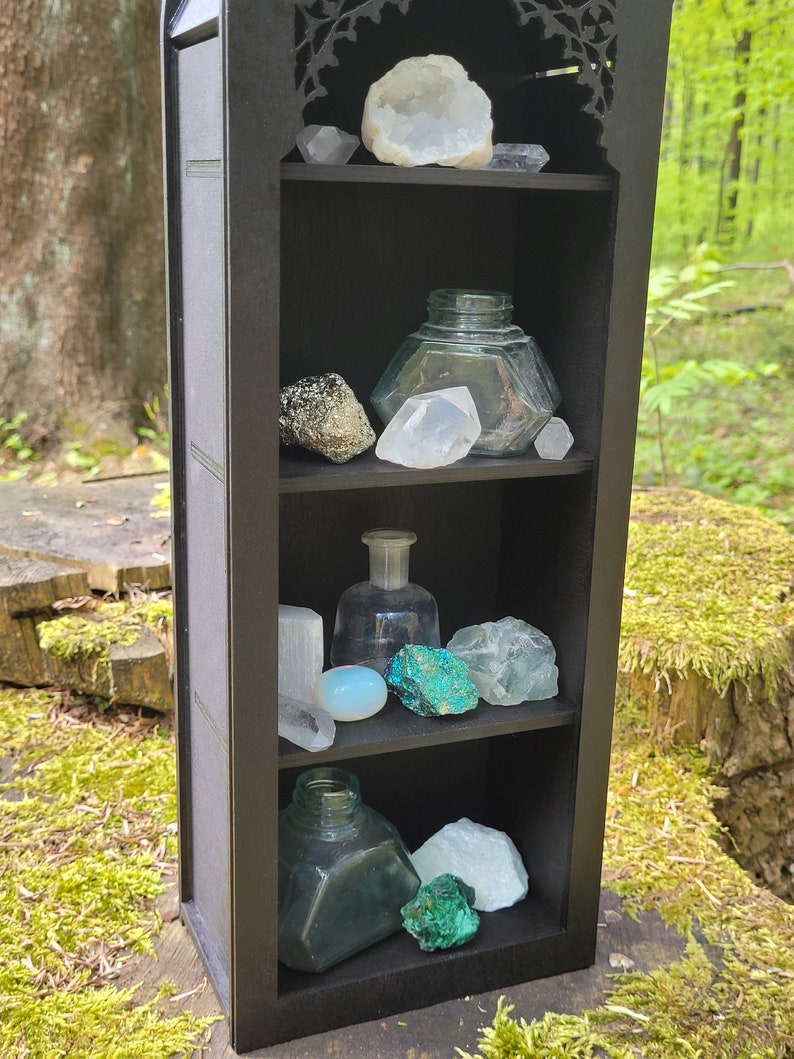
(201, 650)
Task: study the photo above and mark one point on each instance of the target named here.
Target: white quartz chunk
(326, 145)
(553, 442)
(431, 429)
(305, 725)
(300, 651)
(426, 110)
(509, 661)
(483, 857)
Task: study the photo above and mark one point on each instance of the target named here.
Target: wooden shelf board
(521, 925)
(397, 728)
(424, 175)
(302, 472)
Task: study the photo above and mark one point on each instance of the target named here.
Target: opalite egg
(350, 693)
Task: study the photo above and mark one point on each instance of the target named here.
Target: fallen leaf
(621, 962)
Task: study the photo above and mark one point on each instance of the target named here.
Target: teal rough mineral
(431, 681)
(441, 915)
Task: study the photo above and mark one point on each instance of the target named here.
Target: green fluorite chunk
(431, 681)
(441, 915)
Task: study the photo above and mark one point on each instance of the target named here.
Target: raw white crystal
(483, 857)
(426, 110)
(326, 145)
(431, 429)
(509, 661)
(300, 651)
(518, 157)
(305, 725)
(553, 442)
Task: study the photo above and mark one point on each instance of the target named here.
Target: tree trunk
(81, 235)
(732, 168)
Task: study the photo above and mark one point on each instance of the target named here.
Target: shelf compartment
(397, 728)
(303, 472)
(449, 177)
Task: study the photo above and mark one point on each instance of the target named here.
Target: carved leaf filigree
(319, 26)
(588, 29)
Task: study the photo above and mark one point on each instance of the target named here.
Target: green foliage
(156, 428)
(727, 155)
(83, 840)
(16, 451)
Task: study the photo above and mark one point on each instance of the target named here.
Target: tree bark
(81, 235)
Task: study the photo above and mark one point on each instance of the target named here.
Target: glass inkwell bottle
(470, 340)
(375, 618)
(343, 873)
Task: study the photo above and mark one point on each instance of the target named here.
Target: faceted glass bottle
(470, 340)
(343, 873)
(375, 618)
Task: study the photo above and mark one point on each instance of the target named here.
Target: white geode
(509, 661)
(426, 110)
(483, 857)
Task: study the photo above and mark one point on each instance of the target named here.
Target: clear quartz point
(518, 157)
(554, 441)
(431, 429)
(305, 725)
(326, 145)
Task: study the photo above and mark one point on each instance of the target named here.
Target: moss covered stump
(708, 642)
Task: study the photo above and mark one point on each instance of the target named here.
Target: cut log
(31, 586)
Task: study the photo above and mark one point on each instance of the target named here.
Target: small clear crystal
(305, 725)
(326, 145)
(518, 157)
(554, 441)
(431, 429)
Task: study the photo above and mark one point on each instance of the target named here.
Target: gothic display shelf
(301, 472)
(374, 968)
(397, 728)
(387, 174)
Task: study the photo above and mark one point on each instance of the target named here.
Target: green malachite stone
(431, 681)
(441, 915)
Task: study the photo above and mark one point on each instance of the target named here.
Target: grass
(87, 830)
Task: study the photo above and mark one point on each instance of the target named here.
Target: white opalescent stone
(305, 725)
(483, 857)
(351, 693)
(509, 661)
(431, 429)
(426, 110)
(554, 441)
(300, 651)
(518, 157)
(326, 145)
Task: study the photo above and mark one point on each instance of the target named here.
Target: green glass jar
(343, 873)
(470, 340)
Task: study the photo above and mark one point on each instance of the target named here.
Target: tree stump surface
(708, 647)
(109, 529)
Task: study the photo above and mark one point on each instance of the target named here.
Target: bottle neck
(389, 554)
(462, 310)
(327, 798)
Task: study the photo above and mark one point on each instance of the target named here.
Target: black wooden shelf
(400, 953)
(397, 728)
(301, 472)
(448, 177)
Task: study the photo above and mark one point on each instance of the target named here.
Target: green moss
(707, 590)
(83, 842)
(76, 638)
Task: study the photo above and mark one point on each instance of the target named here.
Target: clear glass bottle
(470, 340)
(375, 618)
(343, 873)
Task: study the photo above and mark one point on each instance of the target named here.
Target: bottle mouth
(389, 538)
(328, 791)
(389, 550)
(475, 302)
